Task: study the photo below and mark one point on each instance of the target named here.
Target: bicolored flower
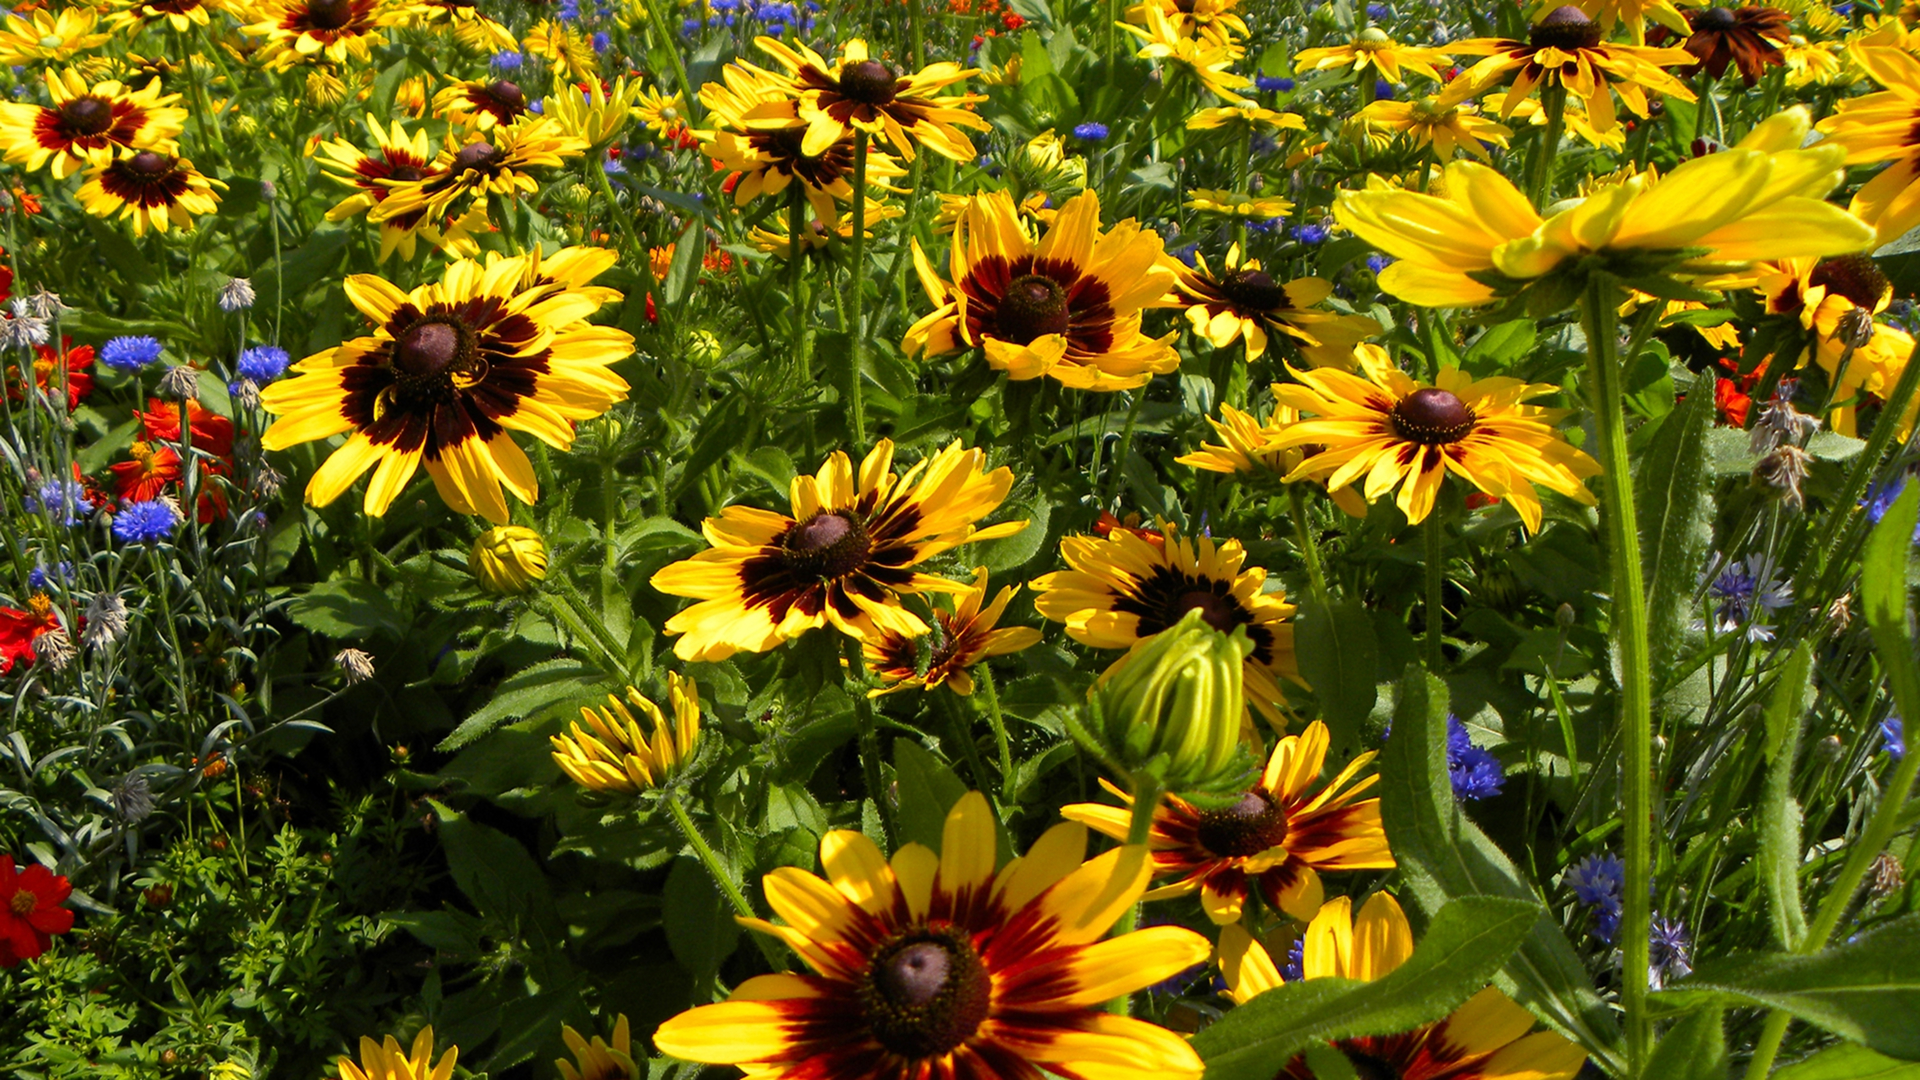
(154, 190)
(1837, 299)
(1242, 301)
(473, 169)
(306, 31)
(397, 158)
(1747, 37)
(85, 126)
(1569, 49)
(480, 104)
(961, 638)
(860, 92)
(1246, 449)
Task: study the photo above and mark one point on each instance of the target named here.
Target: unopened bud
(1830, 748)
(1564, 615)
(1854, 329)
(180, 381)
(1173, 706)
(1783, 470)
(508, 559)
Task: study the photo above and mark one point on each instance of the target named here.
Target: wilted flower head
(53, 648)
(355, 664)
(1784, 469)
(133, 798)
(106, 620)
(236, 295)
(1671, 951)
(1781, 423)
(617, 756)
(24, 330)
(180, 381)
(45, 305)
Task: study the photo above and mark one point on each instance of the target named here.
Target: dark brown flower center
(507, 94)
(431, 349)
(1220, 612)
(1432, 417)
(1248, 827)
(1033, 307)
(406, 174)
(329, 14)
(1254, 289)
(868, 82)
(1368, 1067)
(23, 903)
(826, 546)
(146, 163)
(86, 116)
(475, 157)
(1713, 18)
(1566, 28)
(926, 992)
(1856, 277)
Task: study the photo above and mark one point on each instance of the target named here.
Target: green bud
(1173, 705)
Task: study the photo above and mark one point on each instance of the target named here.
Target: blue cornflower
(507, 61)
(689, 24)
(1382, 90)
(1273, 83)
(1597, 881)
(1670, 950)
(1185, 253)
(1476, 773)
(145, 522)
(264, 363)
(1744, 592)
(63, 500)
(1377, 11)
(1310, 234)
(1843, 9)
(1296, 961)
(601, 39)
(1090, 131)
(1266, 225)
(612, 164)
(1378, 262)
(1894, 733)
(569, 10)
(40, 576)
(130, 353)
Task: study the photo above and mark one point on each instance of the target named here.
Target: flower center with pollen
(431, 350)
(926, 992)
(1432, 417)
(1713, 18)
(1248, 827)
(86, 116)
(868, 82)
(148, 164)
(508, 95)
(1254, 289)
(827, 546)
(475, 157)
(1219, 612)
(329, 14)
(1566, 28)
(23, 903)
(1033, 307)
(1856, 277)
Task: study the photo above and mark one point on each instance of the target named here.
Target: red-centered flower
(19, 628)
(46, 372)
(30, 911)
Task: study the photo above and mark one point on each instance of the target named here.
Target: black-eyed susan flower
(46, 36)
(178, 15)
(1809, 62)
(1210, 21)
(1241, 301)
(1245, 116)
(397, 158)
(154, 190)
(1066, 307)
(759, 139)
(1246, 449)
(1121, 589)
(1282, 834)
(601, 1059)
(1235, 204)
(301, 31)
(1635, 14)
(470, 28)
(450, 371)
(597, 115)
(496, 164)
(843, 559)
(1444, 123)
(1387, 430)
(569, 52)
(1208, 60)
(387, 1061)
(1748, 38)
(1485, 1039)
(816, 235)
(618, 755)
(481, 104)
(508, 559)
(1883, 126)
(1373, 48)
(860, 92)
(961, 638)
(86, 125)
(940, 965)
(1568, 49)
(1836, 299)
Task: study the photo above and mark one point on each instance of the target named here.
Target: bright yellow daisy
(85, 126)
(939, 965)
(844, 558)
(1388, 430)
(1245, 115)
(1445, 125)
(1066, 307)
(1208, 60)
(1243, 302)
(597, 116)
(1372, 48)
(498, 163)
(1121, 589)
(567, 51)
(618, 755)
(1635, 14)
(1485, 1039)
(1246, 449)
(1568, 49)
(42, 36)
(154, 190)
(1234, 204)
(386, 1061)
(398, 158)
(302, 31)
(180, 16)
(450, 371)
(860, 92)
(470, 28)
(961, 638)
(1212, 22)
(1883, 126)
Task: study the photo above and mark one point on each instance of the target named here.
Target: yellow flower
(1832, 298)
(1759, 199)
(1067, 307)
(497, 164)
(508, 559)
(962, 638)
(1884, 126)
(941, 965)
(600, 1060)
(43, 36)
(334, 30)
(1388, 430)
(1567, 49)
(481, 104)
(1809, 62)
(180, 15)
(399, 158)
(1234, 204)
(1245, 114)
(86, 126)
(470, 28)
(157, 191)
(1484, 1039)
(386, 1061)
(1207, 60)
(814, 235)
(1246, 448)
(1242, 301)
(1574, 116)
(1724, 337)
(596, 117)
(568, 52)
(1437, 122)
(859, 92)
(661, 112)
(1372, 47)
(617, 756)
(1636, 14)
(1211, 21)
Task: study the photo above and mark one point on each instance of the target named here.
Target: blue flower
(612, 164)
(1669, 949)
(1185, 253)
(601, 39)
(64, 501)
(40, 576)
(1745, 592)
(569, 10)
(1310, 234)
(507, 61)
(130, 353)
(1377, 11)
(1273, 83)
(1378, 262)
(264, 363)
(145, 522)
(1090, 131)
(1476, 773)
(1597, 878)
(1894, 733)
(1880, 499)
(1382, 90)
(1296, 960)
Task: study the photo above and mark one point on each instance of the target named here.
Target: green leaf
(525, 693)
(1883, 593)
(347, 609)
(1338, 656)
(1694, 1049)
(448, 931)
(1850, 1062)
(1780, 837)
(300, 268)
(1464, 946)
(688, 251)
(492, 869)
(697, 919)
(1020, 548)
(928, 789)
(1674, 508)
(1867, 990)
(1443, 855)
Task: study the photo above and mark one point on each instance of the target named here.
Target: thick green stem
(718, 871)
(1309, 551)
(983, 677)
(1434, 534)
(1605, 373)
(857, 294)
(1553, 98)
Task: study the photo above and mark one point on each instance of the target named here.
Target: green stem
(1553, 98)
(717, 870)
(1146, 799)
(1605, 371)
(1828, 547)
(1116, 470)
(869, 729)
(662, 36)
(1309, 551)
(1769, 1045)
(857, 293)
(1434, 533)
(983, 676)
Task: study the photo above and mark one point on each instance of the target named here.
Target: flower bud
(1173, 705)
(508, 559)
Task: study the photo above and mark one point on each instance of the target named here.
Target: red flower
(30, 911)
(155, 467)
(46, 369)
(1480, 500)
(211, 431)
(6, 282)
(1730, 396)
(1104, 525)
(1012, 20)
(17, 631)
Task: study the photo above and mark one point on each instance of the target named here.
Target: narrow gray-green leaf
(1673, 509)
(1883, 593)
(1850, 1062)
(1464, 946)
(1780, 840)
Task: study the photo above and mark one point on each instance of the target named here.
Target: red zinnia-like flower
(30, 911)
(19, 628)
(211, 431)
(46, 369)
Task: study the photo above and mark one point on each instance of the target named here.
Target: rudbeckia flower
(1246, 115)
(43, 36)
(1748, 37)
(480, 104)
(939, 965)
(1568, 48)
(497, 164)
(596, 115)
(300, 31)
(387, 1061)
(1246, 448)
(1443, 123)
(601, 1059)
(1243, 301)
(157, 191)
(399, 158)
(179, 15)
(1388, 430)
(1279, 837)
(1207, 59)
(1836, 299)
(86, 125)
(1809, 62)
(470, 27)
(1635, 14)
(1372, 48)
(1485, 1039)
(617, 755)
(843, 559)
(451, 369)
(1067, 307)
(1884, 126)
(567, 51)
(859, 92)
(814, 234)
(961, 638)
(1210, 21)
(1122, 589)
(1234, 204)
